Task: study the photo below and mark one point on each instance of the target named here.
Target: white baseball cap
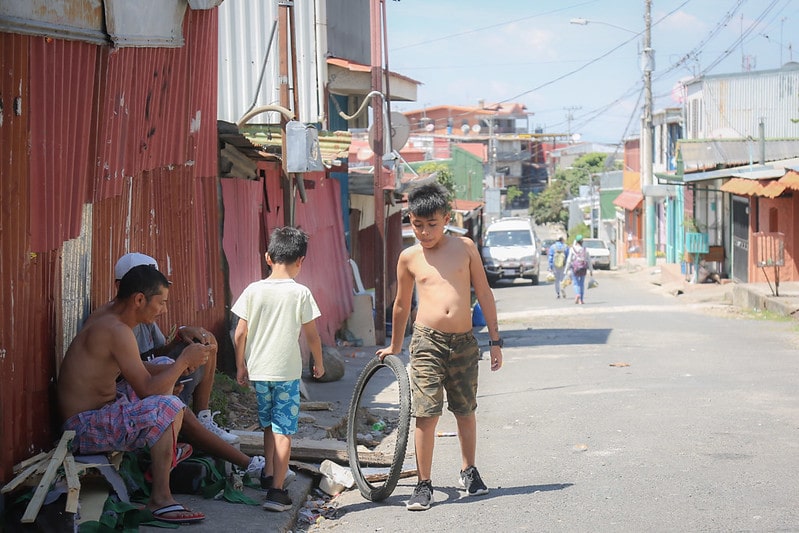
(131, 260)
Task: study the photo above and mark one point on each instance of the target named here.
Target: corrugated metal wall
(134, 131)
(244, 30)
(730, 106)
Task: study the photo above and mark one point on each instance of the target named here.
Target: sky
(580, 80)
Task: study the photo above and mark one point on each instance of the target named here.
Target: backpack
(559, 258)
(579, 263)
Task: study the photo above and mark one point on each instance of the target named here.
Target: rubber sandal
(182, 452)
(195, 516)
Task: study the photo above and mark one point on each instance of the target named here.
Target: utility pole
(569, 118)
(648, 60)
(379, 201)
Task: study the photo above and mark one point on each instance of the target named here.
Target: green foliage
(512, 193)
(580, 229)
(547, 206)
(443, 174)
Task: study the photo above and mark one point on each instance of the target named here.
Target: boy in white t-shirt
(272, 312)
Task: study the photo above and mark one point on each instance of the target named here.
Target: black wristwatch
(499, 342)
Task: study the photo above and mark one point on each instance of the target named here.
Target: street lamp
(648, 65)
(584, 22)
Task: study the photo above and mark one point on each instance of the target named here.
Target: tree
(512, 193)
(547, 206)
(442, 173)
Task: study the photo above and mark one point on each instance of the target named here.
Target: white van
(510, 250)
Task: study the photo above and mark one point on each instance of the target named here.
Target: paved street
(634, 412)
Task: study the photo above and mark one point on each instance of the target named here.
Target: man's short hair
(128, 261)
(428, 200)
(287, 245)
(143, 278)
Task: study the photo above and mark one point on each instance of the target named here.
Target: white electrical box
(302, 148)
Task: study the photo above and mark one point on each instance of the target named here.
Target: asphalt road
(633, 412)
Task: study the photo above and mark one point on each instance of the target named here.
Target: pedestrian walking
(579, 262)
(558, 254)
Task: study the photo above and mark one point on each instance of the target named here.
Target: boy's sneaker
(471, 481)
(206, 418)
(266, 481)
(422, 497)
(256, 466)
(277, 500)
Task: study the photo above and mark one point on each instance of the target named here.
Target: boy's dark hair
(143, 278)
(428, 200)
(287, 244)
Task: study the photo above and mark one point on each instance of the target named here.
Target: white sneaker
(206, 418)
(255, 467)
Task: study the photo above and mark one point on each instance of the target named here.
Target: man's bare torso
(87, 378)
(443, 284)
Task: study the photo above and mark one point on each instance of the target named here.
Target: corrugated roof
(333, 145)
(629, 200)
(710, 153)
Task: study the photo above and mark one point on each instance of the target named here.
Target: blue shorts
(278, 405)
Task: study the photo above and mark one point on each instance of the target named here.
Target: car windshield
(593, 244)
(509, 238)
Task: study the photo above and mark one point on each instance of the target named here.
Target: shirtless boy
(444, 353)
(139, 410)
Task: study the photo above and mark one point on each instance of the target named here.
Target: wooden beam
(43, 456)
(44, 485)
(73, 484)
(252, 443)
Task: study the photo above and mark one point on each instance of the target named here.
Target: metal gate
(740, 239)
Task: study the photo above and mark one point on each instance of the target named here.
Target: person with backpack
(579, 262)
(557, 255)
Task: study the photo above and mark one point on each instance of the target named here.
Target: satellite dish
(430, 126)
(465, 129)
(476, 128)
(400, 131)
(576, 137)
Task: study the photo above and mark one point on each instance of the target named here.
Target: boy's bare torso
(443, 284)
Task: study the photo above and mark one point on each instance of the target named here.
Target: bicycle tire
(369, 491)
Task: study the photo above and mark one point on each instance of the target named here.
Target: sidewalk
(225, 516)
(749, 296)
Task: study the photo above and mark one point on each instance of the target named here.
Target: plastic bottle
(379, 425)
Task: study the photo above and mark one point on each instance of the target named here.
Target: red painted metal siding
(157, 106)
(132, 130)
(243, 238)
(326, 269)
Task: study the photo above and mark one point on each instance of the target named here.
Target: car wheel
(492, 281)
(534, 279)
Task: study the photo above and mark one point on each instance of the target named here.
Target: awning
(769, 188)
(629, 200)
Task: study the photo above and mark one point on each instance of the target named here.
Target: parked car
(545, 244)
(510, 250)
(599, 252)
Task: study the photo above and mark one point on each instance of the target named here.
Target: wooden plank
(252, 443)
(44, 485)
(73, 484)
(374, 478)
(20, 479)
(43, 456)
(316, 406)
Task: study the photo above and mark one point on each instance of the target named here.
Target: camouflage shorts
(439, 362)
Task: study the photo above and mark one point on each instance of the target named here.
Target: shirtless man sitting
(140, 409)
